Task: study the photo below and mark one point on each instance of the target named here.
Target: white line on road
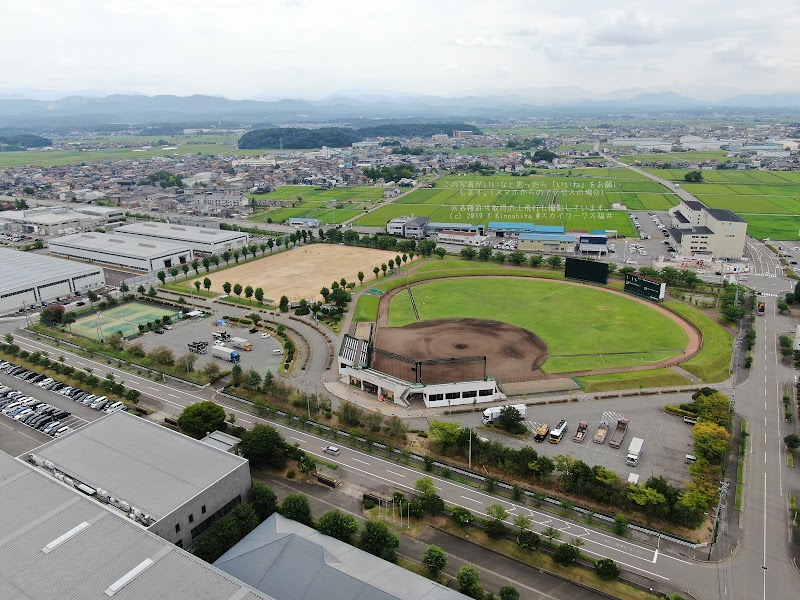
(173, 395)
(299, 440)
(363, 462)
(472, 500)
(150, 387)
(686, 562)
(245, 421)
(393, 473)
(765, 459)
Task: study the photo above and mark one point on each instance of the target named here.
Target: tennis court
(124, 318)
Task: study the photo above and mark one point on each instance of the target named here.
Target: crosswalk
(612, 417)
(768, 295)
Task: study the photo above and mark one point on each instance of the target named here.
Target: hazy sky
(312, 48)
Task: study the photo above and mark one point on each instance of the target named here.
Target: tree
(378, 540)
(207, 284)
(485, 253)
(237, 289)
(441, 252)
(376, 270)
(226, 256)
(693, 176)
(132, 396)
(528, 539)
(497, 512)
(52, 315)
(516, 258)
(151, 293)
(360, 277)
(226, 287)
(508, 592)
(94, 297)
(283, 305)
(338, 525)
(186, 361)
(297, 508)
(196, 266)
(566, 555)
(384, 268)
(554, 261)
(255, 318)
(710, 441)
(197, 285)
(425, 487)
(245, 251)
(162, 355)
(606, 569)
(248, 292)
(162, 276)
(783, 308)
(200, 418)
(469, 581)
(461, 515)
(522, 522)
(263, 499)
(206, 262)
(468, 253)
(259, 294)
(551, 534)
(264, 446)
(510, 419)
(792, 441)
(174, 271)
(434, 559)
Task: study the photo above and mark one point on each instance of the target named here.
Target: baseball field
(582, 327)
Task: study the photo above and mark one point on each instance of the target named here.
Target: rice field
(329, 206)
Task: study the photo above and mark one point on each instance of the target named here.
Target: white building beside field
(124, 251)
(28, 278)
(199, 239)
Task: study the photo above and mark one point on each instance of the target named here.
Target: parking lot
(17, 438)
(667, 439)
(654, 247)
(261, 358)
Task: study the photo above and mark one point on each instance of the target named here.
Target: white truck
(490, 415)
(228, 354)
(634, 452)
(240, 343)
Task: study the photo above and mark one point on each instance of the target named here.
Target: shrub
(496, 529)
(566, 555)
(606, 569)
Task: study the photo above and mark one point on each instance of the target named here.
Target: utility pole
(723, 494)
(470, 448)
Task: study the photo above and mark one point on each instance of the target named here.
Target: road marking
(393, 473)
(655, 556)
(686, 562)
(299, 440)
(765, 461)
(765, 437)
(472, 500)
(245, 421)
(173, 395)
(150, 387)
(363, 462)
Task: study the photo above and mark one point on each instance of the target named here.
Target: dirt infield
(302, 272)
(512, 353)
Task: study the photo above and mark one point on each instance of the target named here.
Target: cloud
(482, 42)
(628, 29)
(740, 56)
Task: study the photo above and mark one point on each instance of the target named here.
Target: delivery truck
(490, 415)
(224, 353)
(241, 344)
(619, 433)
(634, 452)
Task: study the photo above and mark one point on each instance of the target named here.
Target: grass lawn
(124, 318)
(785, 227)
(366, 308)
(583, 327)
(712, 363)
(631, 380)
(329, 206)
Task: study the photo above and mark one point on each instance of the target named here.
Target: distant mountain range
(364, 106)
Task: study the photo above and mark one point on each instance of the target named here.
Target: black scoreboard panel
(644, 288)
(586, 270)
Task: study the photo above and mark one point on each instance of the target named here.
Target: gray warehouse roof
(721, 214)
(151, 467)
(19, 270)
(121, 245)
(181, 233)
(267, 559)
(57, 543)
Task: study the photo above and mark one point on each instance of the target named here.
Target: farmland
(768, 200)
(329, 206)
(580, 199)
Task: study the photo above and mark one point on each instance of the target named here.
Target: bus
(557, 434)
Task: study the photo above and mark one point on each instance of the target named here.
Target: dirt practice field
(304, 271)
(512, 352)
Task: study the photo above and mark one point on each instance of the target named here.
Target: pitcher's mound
(512, 353)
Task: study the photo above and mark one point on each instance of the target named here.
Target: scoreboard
(644, 287)
(586, 270)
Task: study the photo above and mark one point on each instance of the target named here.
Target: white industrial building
(124, 251)
(28, 278)
(464, 238)
(180, 484)
(55, 542)
(199, 239)
(48, 220)
(700, 231)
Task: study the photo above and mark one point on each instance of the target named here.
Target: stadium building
(199, 239)
(400, 379)
(30, 279)
(124, 251)
(173, 485)
(55, 542)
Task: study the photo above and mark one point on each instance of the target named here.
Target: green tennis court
(125, 319)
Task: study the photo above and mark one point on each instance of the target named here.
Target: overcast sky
(313, 48)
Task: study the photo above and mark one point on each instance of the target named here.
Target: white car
(265, 336)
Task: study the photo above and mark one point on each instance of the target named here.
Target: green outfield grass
(631, 380)
(712, 363)
(583, 327)
(124, 318)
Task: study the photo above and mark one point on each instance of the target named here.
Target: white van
(278, 351)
